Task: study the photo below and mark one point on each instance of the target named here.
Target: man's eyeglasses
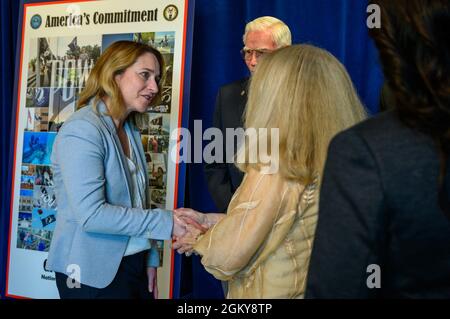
(248, 53)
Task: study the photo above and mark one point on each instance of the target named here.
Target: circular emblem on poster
(36, 21)
(170, 12)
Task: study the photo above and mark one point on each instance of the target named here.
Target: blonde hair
(279, 30)
(115, 60)
(306, 93)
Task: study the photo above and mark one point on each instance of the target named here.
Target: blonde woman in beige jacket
(262, 246)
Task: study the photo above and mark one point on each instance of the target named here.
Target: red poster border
(19, 86)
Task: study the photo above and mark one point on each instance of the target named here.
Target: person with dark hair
(382, 231)
(105, 225)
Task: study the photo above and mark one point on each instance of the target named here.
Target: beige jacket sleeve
(237, 242)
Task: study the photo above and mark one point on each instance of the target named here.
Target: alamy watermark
(74, 276)
(262, 146)
(374, 18)
(374, 279)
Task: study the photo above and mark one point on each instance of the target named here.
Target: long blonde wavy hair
(308, 95)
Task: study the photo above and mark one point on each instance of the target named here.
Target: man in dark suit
(262, 35)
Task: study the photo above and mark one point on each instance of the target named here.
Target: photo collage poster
(56, 70)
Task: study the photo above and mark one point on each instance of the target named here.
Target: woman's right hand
(179, 227)
(193, 217)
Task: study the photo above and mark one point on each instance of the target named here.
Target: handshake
(188, 226)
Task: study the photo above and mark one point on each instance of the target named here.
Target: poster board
(60, 43)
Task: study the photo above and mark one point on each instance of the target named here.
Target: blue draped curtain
(8, 35)
(336, 25)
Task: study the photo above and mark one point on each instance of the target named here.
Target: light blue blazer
(92, 186)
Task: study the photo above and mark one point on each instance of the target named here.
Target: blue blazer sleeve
(81, 157)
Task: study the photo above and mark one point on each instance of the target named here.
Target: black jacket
(224, 178)
(379, 206)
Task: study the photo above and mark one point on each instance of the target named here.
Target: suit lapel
(243, 95)
(136, 144)
(109, 124)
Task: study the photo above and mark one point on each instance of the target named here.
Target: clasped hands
(188, 226)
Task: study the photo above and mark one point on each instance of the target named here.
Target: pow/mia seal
(36, 21)
(170, 12)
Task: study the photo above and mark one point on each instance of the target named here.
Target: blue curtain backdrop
(8, 34)
(336, 25)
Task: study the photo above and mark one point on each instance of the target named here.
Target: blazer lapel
(136, 144)
(109, 124)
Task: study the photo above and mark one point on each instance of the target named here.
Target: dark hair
(414, 48)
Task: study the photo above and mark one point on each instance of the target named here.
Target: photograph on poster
(62, 61)
(26, 204)
(27, 182)
(44, 197)
(37, 147)
(43, 219)
(37, 119)
(154, 144)
(44, 175)
(158, 143)
(63, 104)
(37, 97)
(26, 193)
(162, 108)
(144, 140)
(33, 239)
(39, 65)
(157, 169)
(160, 248)
(166, 92)
(29, 170)
(158, 197)
(159, 124)
(57, 71)
(164, 42)
(25, 220)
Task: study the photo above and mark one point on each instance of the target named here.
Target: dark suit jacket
(444, 195)
(224, 178)
(387, 98)
(379, 205)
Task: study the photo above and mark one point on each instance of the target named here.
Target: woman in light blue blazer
(103, 244)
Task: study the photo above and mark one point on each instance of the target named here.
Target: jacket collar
(135, 139)
(106, 119)
(108, 122)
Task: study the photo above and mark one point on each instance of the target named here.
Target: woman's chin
(142, 108)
